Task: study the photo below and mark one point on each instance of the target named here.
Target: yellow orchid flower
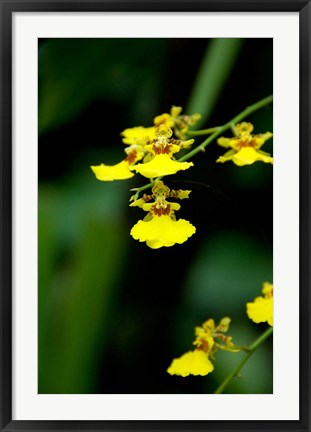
(245, 147)
(138, 135)
(162, 150)
(160, 165)
(261, 309)
(179, 122)
(121, 170)
(160, 228)
(166, 119)
(191, 363)
(208, 339)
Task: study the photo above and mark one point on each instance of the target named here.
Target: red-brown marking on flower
(175, 141)
(131, 157)
(222, 337)
(147, 198)
(174, 193)
(252, 143)
(161, 211)
(161, 122)
(203, 345)
(161, 149)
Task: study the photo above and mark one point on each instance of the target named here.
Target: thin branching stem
(202, 131)
(251, 349)
(218, 131)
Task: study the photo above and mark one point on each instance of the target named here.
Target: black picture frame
(7, 8)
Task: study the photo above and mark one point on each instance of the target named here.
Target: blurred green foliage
(75, 72)
(112, 314)
(82, 244)
(213, 74)
(231, 266)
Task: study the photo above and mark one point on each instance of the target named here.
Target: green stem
(202, 131)
(218, 131)
(147, 186)
(252, 348)
(234, 130)
(249, 110)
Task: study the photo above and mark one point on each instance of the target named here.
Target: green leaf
(216, 67)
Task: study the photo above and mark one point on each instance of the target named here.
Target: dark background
(112, 312)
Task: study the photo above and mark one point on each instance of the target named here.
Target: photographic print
(155, 216)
